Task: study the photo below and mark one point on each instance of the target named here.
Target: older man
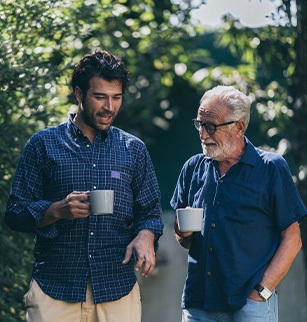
(250, 234)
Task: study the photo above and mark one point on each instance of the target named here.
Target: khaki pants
(42, 308)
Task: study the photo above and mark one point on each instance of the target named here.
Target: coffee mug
(102, 201)
(190, 219)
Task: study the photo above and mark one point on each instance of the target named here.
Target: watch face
(265, 293)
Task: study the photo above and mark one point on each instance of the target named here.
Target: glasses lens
(210, 128)
(197, 125)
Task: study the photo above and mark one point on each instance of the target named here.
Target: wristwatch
(263, 291)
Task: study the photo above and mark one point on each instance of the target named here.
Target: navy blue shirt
(68, 253)
(245, 212)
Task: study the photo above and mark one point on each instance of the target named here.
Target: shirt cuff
(38, 210)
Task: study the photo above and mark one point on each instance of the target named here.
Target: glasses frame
(206, 124)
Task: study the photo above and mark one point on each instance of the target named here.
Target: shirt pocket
(120, 182)
(243, 206)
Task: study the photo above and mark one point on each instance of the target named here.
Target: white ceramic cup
(190, 219)
(102, 201)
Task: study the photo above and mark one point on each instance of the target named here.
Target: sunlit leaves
(270, 52)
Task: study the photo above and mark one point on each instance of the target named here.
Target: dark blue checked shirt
(68, 253)
(245, 212)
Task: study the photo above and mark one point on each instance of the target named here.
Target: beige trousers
(43, 308)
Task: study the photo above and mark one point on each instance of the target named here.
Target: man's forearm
(281, 263)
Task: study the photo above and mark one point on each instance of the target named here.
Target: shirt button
(216, 203)
(94, 165)
(209, 273)
(90, 256)
(213, 225)
(92, 233)
(210, 249)
(221, 181)
(94, 187)
(87, 145)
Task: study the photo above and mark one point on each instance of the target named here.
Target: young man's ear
(78, 94)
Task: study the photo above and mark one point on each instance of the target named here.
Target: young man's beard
(89, 119)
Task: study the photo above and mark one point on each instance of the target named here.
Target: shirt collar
(250, 155)
(76, 132)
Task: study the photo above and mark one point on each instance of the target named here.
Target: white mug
(190, 219)
(102, 201)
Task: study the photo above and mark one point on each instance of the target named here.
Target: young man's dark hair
(101, 64)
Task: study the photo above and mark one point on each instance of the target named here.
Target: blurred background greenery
(172, 60)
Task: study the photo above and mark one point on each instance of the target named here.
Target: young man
(250, 234)
(84, 263)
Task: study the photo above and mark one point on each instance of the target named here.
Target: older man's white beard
(219, 153)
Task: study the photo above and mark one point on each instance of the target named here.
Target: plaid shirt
(68, 253)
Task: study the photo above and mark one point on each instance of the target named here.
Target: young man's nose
(108, 105)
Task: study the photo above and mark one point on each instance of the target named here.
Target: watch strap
(259, 287)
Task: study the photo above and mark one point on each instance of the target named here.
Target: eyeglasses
(210, 127)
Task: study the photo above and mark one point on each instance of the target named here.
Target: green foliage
(30, 62)
(276, 56)
(267, 66)
(15, 266)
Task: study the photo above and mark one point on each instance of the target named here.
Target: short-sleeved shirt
(245, 212)
(68, 253)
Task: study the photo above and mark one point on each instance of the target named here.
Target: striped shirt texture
(68, 253)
